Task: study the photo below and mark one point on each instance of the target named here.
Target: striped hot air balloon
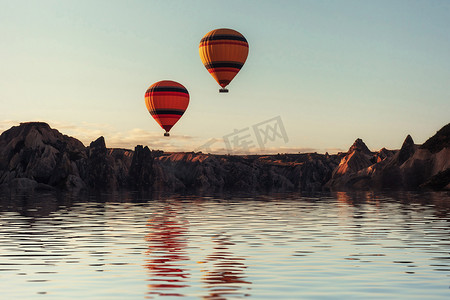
(166, 101)
(223, 53)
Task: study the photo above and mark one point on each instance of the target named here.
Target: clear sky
(333, 71)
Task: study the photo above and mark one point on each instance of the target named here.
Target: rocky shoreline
(34, 156)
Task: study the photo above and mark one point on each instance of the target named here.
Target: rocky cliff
(35, 156)
(411, 167)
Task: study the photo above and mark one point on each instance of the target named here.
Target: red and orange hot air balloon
(166, 101)
(223, 53)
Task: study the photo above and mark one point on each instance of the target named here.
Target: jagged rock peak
(359, 145)
(407, 150)
(98, 147)
(98, 143)
(408, 142)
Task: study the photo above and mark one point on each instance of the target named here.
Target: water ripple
(342, 245)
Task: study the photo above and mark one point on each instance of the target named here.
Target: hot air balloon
(223, 53)
(166, 101)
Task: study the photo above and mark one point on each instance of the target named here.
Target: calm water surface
(328, 246)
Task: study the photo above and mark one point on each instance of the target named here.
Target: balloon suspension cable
(166, 134)
(223, 90)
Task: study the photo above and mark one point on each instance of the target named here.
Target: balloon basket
(166, 134)
(223, 91)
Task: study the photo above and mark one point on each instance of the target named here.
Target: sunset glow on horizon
(325, 72)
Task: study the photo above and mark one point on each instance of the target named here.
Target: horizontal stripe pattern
(223, 53)
(216, 70)
(177, 89)
(214, 37)
(184, 95)
(166, 101)
(167, 112)
(224, 64)
(210, 43)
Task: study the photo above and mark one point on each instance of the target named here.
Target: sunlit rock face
(35, 156)
(358, 158)
(383, 154)
(352, 162)
(411, 167)
(359, 146)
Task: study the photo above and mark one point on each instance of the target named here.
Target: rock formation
(411, 167)
(360, 146)
(34, 156)
(438, 141)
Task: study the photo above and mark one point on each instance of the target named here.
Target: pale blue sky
(333, 70)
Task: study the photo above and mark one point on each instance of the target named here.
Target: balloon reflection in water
(227, 275)
(167, 242)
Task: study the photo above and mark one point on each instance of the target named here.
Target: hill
(35, 156)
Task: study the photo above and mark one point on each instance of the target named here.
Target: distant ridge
(33, 156)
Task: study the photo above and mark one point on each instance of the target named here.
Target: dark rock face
(38, 153)
(100, 173)
(141, 169)
(407, 150)
(253, 173)
(34, 156)
(440, 181)
(438, 141)
(122, 159)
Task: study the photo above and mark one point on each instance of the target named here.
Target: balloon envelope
(166, 101)
(223, 53)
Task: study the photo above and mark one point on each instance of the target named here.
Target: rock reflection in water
(166, 250)
(226, 278)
